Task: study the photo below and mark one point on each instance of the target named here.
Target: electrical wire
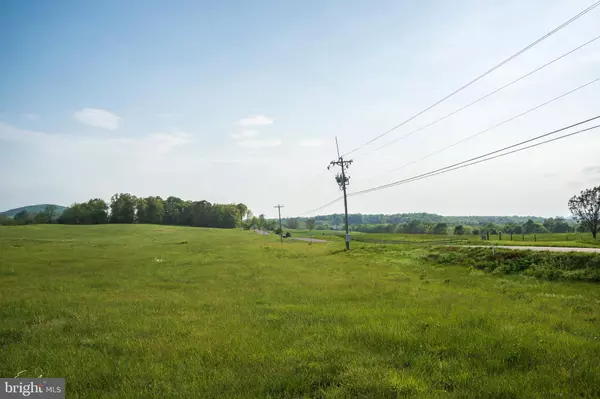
(488, 95)
(489, 159)
(322, 206)
(493, 127)
(479, 159)
(507, 60)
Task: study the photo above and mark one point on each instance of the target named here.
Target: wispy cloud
(246, 161)
(31, 117)
(256, 120)
(168, 115)
(310, 143)
(98, 118)
(151, 143)
(263, 143)
(591, 170)
(245, 134)
(158, 143)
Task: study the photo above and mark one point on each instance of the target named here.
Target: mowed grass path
(159, 312)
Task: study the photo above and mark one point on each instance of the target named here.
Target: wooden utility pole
(343, 181)
(280, 229)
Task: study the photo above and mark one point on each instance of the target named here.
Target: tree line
(337, 219)
(584, 207)
(416, 226)
(127, 208)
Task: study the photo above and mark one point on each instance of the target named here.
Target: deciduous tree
(292, 223)
(585, 207)
(459, 230)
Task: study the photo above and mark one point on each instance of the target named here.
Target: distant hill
(32, 209)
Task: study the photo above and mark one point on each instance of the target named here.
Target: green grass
(540, 264)
(159, 311)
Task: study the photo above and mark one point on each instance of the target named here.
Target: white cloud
(245, 134)
(263, 143)
(98, 118)
(310, 143)
(31, 117)
(256, 120)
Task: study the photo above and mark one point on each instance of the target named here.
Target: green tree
(40, 218)
(123, 208)
(50, 212)
(292, 223)
(459, 230)
(529, 227)
(440, 228)
(561, 226)
(141, 210)
(539, 228)
(310, 224)
(550, 224)
(7, 221)
(262, 222)
(24, 217)
(98, 211)
(155, 210)
(173, 211)
(242, 209)
(585, 207)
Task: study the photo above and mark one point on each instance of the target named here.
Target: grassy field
(158, 311)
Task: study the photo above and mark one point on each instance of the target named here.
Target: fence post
(500, 236)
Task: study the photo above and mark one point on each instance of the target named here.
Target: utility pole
(280, 229)
(343, 181)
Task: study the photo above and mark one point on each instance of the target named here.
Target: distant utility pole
(343, 181)
(280, 229)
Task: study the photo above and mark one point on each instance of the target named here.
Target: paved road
(264, 233)
(307, 239)
(550, 249)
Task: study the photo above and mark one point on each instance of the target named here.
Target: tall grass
(158, 311)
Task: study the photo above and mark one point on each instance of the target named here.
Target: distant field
(583, 240)
(159, 311)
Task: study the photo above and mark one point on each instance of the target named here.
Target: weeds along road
(549, 249)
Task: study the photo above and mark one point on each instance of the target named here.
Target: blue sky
(240, 101)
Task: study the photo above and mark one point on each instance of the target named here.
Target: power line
(487, 95)
(528, 47)
(322, 206)
(458, 165)
(467, 163)
(495, 126)
(496, 156)
(317, 177)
